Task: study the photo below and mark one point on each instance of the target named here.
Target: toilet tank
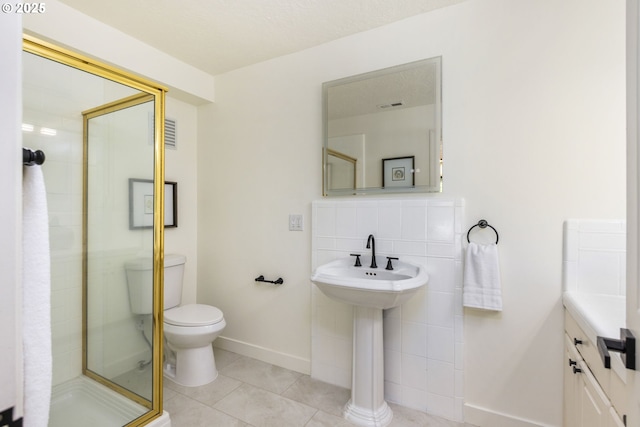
(140, 282)
(173, 275)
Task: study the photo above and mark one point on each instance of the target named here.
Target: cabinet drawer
(589, 352)
(594, 404)
(614, 419)
(617, 390)
(571, 383)
(571, 349)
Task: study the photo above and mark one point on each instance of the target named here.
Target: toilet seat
(193, 315)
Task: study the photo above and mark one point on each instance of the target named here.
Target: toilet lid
(193, 315)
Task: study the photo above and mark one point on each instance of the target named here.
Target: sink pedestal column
(367, 406)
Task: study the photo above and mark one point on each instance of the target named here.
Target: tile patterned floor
(249, 392)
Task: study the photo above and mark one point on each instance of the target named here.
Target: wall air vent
(391, 105)
(170, 134)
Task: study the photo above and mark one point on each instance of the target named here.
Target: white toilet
(189, 330)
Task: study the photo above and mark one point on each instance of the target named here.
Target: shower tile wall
(423, 340)
(62, 172)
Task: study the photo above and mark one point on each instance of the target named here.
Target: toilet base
(194, 367)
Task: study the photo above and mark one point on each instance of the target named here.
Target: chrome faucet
(371, 244)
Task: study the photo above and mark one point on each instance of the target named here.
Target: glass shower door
(118, 147)
(98, 127)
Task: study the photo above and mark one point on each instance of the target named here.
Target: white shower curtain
(36, 308)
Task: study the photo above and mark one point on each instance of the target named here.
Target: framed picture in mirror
(398, 172)
(141, 203)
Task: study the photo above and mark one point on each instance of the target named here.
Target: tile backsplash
(423, 339)
(594, 256)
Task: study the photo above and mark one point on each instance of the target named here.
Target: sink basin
(370, 287)
(370, 290)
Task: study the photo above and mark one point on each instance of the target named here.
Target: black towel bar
(278, 281)
(30, 158)
(482, 224)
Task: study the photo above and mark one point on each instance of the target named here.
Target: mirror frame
(435, 146)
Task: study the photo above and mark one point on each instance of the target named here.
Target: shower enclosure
(99, 127)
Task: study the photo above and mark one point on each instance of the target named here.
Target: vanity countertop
(597, 315)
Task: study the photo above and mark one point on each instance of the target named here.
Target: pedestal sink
(370, 290)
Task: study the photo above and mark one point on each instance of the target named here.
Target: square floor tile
(261, 374)
(326, 397)
(262, 408)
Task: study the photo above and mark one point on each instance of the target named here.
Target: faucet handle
(389, 265)
(357, 264)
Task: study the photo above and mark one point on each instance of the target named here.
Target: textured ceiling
(221, 35)
(408, 85)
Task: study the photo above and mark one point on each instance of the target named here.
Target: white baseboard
(264, 354)
(483, 417)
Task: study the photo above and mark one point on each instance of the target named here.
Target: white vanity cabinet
(585, 403)
(593, 395)
(614, 419)
(572, 384)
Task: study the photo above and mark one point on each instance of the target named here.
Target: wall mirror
(382, 131)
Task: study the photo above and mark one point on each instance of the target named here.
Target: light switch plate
(296, 222)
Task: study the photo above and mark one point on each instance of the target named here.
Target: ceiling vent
(391, 105)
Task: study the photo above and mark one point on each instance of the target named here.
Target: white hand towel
(481, 288)
(36, 279)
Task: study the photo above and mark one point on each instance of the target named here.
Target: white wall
(180, 167)
(542, 143)
(533, 130)
(259, 158)
(91, 37)
(10, 214)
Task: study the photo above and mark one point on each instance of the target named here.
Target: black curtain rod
(30, 158)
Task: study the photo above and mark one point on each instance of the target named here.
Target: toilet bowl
(189, 330)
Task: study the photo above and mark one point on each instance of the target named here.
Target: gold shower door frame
(346, 158)
(155, 92)
(87, 115)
